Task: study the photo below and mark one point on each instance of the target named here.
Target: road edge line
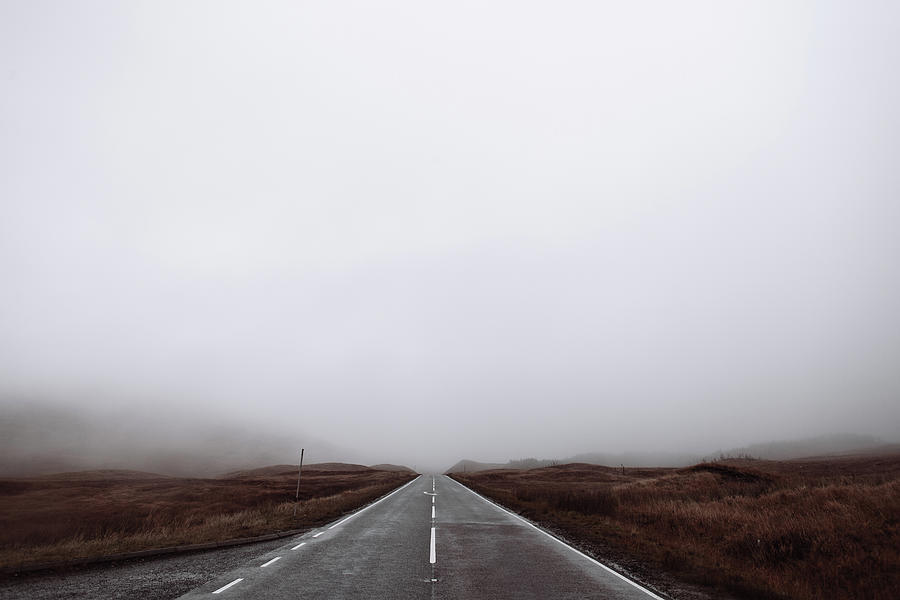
(177, 550)
(368, 506)
(564, 543)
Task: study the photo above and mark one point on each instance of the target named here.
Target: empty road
(432, 538)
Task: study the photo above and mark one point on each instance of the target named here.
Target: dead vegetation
(755, 529)
(84, 515)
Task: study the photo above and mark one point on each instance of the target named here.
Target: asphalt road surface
(432, 538)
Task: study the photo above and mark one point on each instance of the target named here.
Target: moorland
(89, 514)
(813, 528)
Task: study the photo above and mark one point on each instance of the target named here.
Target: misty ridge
(53, 439)
(818, 447)
(46, 439)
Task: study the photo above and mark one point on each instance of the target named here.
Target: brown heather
(825, 528)
(77, 516)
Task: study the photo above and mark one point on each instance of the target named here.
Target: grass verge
(753, 529)
(65, 518)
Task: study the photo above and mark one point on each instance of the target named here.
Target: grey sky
(478, 228)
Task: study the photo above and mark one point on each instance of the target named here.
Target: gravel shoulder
(158, 578)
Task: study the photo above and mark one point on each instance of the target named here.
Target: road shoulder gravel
(158, 578)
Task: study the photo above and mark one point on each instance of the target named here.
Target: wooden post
(299, 471)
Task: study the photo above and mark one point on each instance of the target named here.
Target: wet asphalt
(385, 551)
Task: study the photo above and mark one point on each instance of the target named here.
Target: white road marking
(556, 539)
(432, 556)
(432, 499)
(225, 587)
(432, 511)
(371, 505)
(240, 579)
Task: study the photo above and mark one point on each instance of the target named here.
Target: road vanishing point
(431, 538)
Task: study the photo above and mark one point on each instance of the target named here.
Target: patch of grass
(66, 518)
(756, 529)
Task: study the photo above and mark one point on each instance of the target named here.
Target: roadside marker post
(299, 471)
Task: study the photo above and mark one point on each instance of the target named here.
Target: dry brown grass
(80, 516)
(756, 529)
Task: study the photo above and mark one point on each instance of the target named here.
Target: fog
(413, 233)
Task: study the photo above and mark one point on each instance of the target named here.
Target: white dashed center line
(271, 561)
(318, 534)
(432, 557)
(298, 545)
(432, 511)
(225, 587)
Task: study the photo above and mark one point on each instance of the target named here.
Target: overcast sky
(435, 230)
